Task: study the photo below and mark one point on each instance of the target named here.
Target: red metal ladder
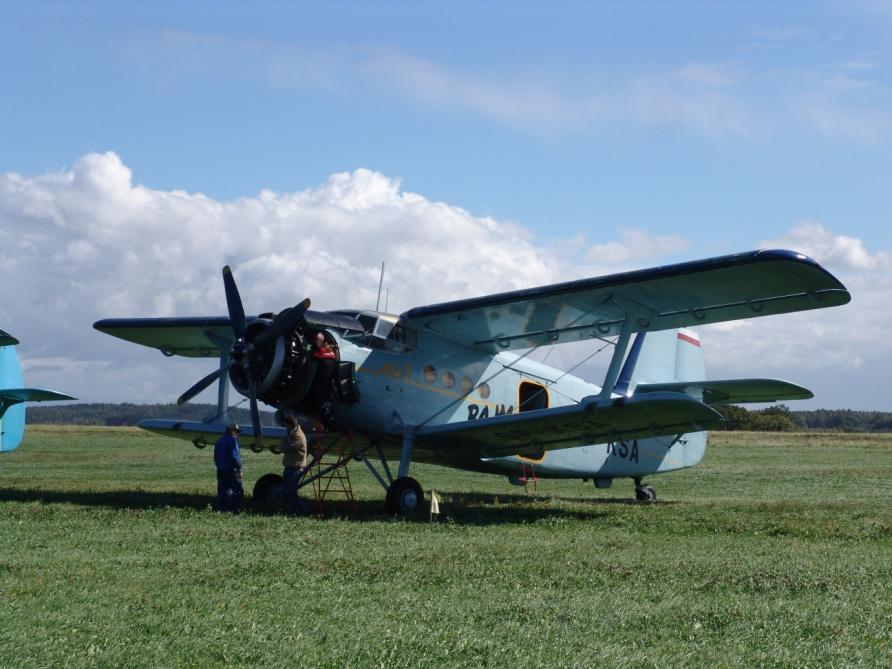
(332, 455)
(528, 478)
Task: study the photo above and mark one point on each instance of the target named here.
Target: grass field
(775, 551)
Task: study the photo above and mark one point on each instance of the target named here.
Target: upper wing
(198, 337)
(732, 391)
(744, 285)
(533, 432)
(15, 395)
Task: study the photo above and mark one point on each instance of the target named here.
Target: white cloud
(845, 352)
(710, 74)
(89, 243)
(839, 251)
(635, 245)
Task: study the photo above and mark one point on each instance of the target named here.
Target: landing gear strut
(644, 493)
(404, 494)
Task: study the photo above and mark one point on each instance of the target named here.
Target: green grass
(775, 551)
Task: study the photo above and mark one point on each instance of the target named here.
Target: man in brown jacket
(294, 462)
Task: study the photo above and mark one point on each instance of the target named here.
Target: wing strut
(619, 352)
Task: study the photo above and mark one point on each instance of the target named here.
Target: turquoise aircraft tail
(13, 395)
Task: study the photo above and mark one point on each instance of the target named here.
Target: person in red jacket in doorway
(323, 384)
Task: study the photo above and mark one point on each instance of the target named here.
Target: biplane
(453, 384)
(13, 395)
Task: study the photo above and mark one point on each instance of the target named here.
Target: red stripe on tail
(689, 339)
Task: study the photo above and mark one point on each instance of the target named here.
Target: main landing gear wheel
(268, 489)
(404, 497)
(644, 493)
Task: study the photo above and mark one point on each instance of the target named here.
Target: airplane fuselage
(440, 381)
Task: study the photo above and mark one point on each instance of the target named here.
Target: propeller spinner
(250, 353)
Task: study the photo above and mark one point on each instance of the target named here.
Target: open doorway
(532, 396)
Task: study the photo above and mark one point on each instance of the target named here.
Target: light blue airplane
(452, 384)
(13, 396)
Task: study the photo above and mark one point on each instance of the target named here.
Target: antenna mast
(380, 284)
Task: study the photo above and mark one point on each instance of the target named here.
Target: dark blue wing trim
(320, 318)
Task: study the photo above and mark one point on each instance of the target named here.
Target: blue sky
(711, 127)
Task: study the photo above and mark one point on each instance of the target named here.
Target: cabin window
(466, 385)
(484, 390)
(430, 374)
(403, 335)
(532, 396)
(448, 379)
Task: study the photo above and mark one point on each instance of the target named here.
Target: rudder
(12, 421)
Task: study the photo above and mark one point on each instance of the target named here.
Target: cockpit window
(367, 321)
(385, 332)
(404, 335)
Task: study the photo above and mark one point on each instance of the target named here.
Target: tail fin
(13, 395)
(662, 357)
(668, 356)
(12, 420)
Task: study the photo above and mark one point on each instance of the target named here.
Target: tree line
(779, 418)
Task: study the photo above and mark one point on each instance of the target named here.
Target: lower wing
(202, 434)
(588, 422)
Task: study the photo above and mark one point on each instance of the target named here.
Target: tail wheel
(404, 497)
(645, 494)
(267, 489)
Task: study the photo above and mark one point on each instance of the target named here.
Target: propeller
(282, 323)
(234, 304)
(201, 385)
(243, 353)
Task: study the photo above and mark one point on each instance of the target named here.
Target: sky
(474, 147)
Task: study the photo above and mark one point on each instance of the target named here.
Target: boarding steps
(328, 472)
(528, 478)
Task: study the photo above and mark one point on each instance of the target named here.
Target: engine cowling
(282, 373)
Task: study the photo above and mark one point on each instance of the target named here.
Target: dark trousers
(291, 503)
(229, 490)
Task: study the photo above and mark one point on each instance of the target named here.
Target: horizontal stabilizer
(15, 395)
(533, 432)
(7, 339)
(208, 433)
(732, 391)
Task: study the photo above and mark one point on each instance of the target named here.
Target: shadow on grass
(462, 508)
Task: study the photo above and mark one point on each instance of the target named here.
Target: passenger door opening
(532, 396)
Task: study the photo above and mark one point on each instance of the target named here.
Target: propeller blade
(255, 415)
(201, 385)
(234, 304)
(282, 323)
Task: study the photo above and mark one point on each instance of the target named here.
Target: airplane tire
(404, 497)
(268, 489)
(645, 494)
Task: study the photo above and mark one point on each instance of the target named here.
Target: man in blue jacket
(228, 459)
